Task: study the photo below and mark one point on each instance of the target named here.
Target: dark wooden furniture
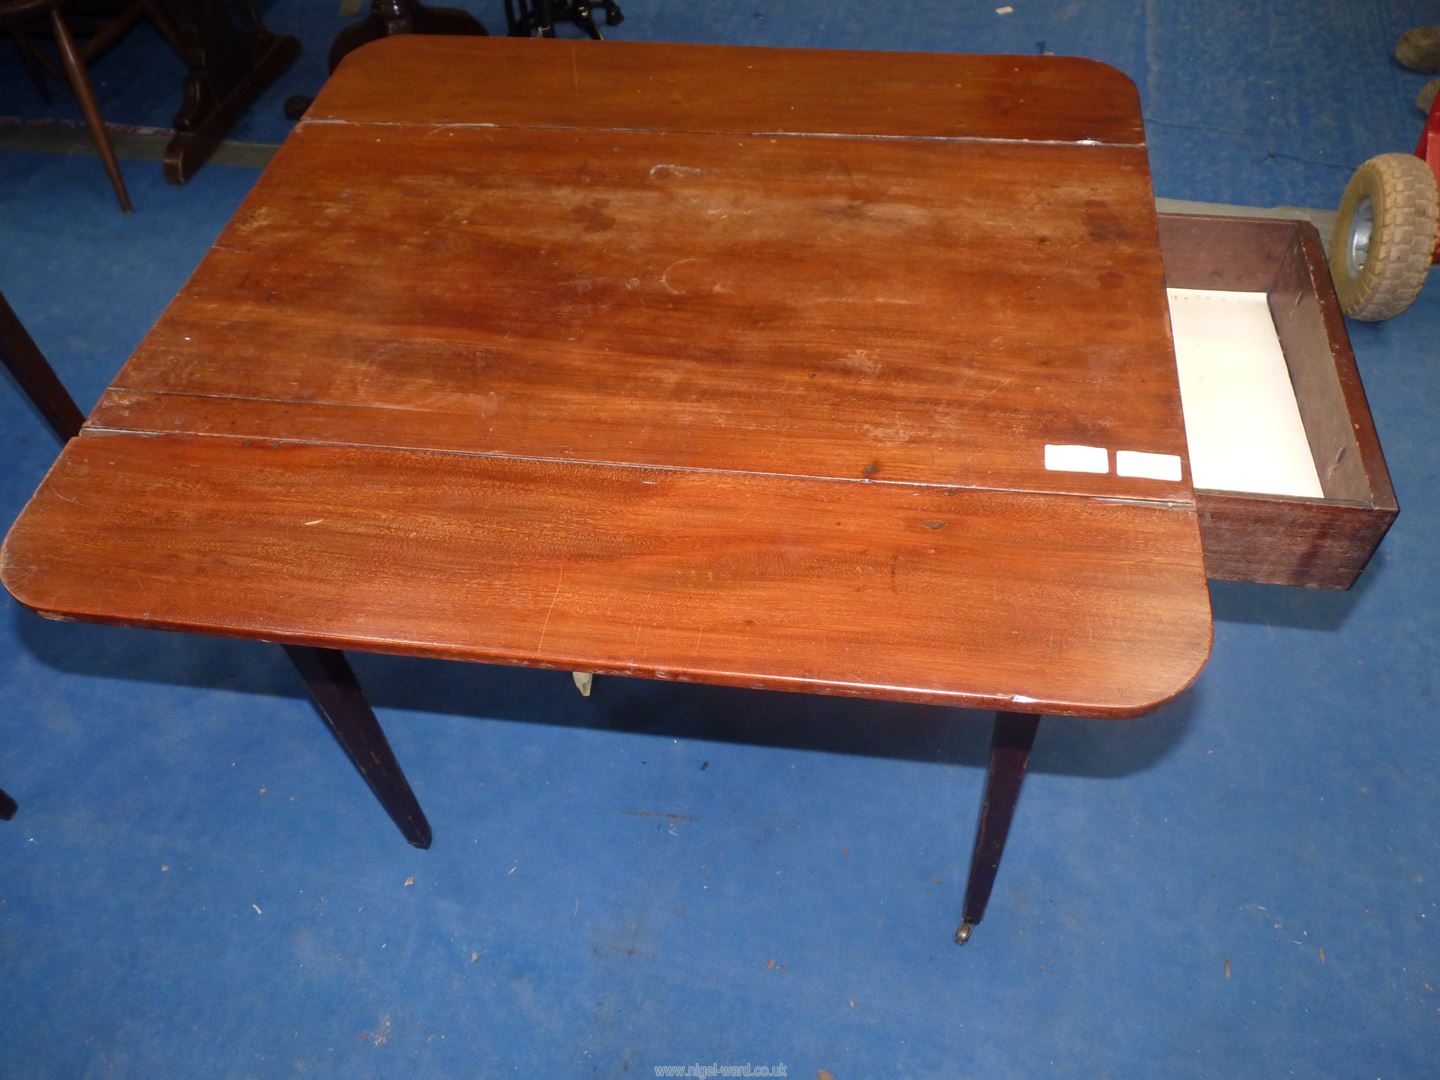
(537, 18)
(390, 17)
(327, 674)
(110, 30)
(14, 15)
(231, 58)
(1281, 539)
(24, 360)
(94, 35)
(590, 368)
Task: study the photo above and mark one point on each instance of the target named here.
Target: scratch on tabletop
(550, 610)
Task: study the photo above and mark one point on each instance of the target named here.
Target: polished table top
(727, 365)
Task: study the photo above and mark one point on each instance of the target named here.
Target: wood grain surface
(709, 88)
(625, 379)
(940, 595)
(931, 312)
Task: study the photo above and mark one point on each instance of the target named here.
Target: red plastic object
(1428, 150)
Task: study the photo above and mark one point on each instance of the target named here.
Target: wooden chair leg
(1009, 755)
(7, 806)
(110, 32)
(342, 703)
(24, 360)
(80, 83)
(34, 65)
(160, 18)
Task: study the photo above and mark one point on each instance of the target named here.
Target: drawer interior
(1290, 478)
(1242, 419)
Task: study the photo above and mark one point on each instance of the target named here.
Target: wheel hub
(1362, 227)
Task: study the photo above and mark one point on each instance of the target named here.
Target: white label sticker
(1148, 466)
(1091, 459)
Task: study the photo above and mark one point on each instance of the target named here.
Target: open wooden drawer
(1290, 480)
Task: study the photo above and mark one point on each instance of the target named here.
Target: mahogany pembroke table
(844, 373)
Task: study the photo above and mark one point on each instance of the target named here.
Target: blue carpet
(1242, 885)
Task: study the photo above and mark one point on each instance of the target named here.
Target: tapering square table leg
(36, 377)
(342, 703)
(1009, 755)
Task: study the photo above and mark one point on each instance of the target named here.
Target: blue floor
(1246, 884)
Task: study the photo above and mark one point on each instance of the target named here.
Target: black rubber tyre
(1385, 236)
